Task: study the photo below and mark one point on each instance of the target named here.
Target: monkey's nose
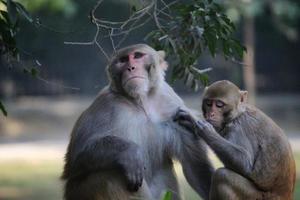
(131, 68)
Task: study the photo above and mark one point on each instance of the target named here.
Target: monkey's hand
(186, 120)
(204, 127)
(132, 165)
(199, 128)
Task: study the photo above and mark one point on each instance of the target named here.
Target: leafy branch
(2, 108)
(9, 26)
(9, 20)
(183, 30)
(188, 31)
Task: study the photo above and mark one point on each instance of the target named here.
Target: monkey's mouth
(133, 77)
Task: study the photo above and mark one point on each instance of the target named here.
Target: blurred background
(43, 110)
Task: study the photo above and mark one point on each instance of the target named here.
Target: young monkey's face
(213, 112)
(222, 102)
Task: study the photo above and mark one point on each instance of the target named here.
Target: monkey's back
(274, 165)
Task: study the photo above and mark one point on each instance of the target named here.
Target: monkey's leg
(228, 185)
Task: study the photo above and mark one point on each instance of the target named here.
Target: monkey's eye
(220, 104)
(208, 102)
(138, 55)
(124, 59)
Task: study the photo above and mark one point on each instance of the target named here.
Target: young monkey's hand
(197, 127)
(204, 127)
(185, 119)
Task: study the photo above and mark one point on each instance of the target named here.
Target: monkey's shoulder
(254, 122)
(104, 109)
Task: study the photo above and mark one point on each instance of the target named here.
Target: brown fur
(257, 157)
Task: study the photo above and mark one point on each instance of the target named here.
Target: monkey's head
(136, 70)
(222, 102)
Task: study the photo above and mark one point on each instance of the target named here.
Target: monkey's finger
(186, 124)
(183, 122)
(177, 116)
(201, 124)
(179, 109)
(182, 115)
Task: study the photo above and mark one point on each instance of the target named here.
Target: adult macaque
(258, 161)
(122, 147)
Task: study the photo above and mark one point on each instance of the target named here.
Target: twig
(124, 28)
(57, 84)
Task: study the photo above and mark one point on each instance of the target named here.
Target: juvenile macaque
(122, 147)
(258, 161)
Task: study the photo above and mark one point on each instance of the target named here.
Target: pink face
(134, 69)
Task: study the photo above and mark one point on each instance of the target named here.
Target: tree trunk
(249, 58)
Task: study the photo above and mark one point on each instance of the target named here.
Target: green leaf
(34, 72)
(196, 26)
(2, 108)
(22, 10)
(12, 11)
(211, 42)
(26, 71)
(3, 25)
(5, 16)
(204, 79)
(133, 8)
(167, 196)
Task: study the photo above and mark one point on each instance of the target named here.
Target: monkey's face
(134, 76)
(134, 70)
(222, 102)
(213, 111)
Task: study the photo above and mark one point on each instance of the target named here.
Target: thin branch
(112, 40)
(133, 27)
(79, 43)
(123, 28)
(39, 24)
(57, 84)
(156, 18)
(166, 5)
(239, 62)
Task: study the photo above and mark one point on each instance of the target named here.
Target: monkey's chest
(156, 139)
(152, 131)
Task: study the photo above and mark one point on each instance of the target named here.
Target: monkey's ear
(244, 96)
(162, 54)
(162, 63)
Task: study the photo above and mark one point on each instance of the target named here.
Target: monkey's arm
(110, 152)
(235, 157)
(197, 168)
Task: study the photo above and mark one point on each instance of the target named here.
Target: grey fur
(123, 148)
